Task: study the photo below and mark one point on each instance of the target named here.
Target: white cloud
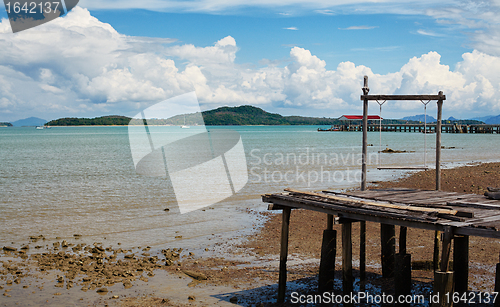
(428, 33)
(359, 28)
(291, 28)
(79, 66)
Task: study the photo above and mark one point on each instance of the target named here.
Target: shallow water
(81, 180)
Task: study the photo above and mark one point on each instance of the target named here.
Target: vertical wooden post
(461, 263)
(362, 251)
(438, 142)
(402, 274)
(362, 235)
(347, 279)
(438, 173)
(284, 254)
(388, 243)
(365, 135)
(326, 276)
(497, 284)
(435, 259)
(443, 279)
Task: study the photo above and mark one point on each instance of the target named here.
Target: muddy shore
(243, 272)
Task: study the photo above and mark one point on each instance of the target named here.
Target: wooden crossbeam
(403, 97)
(377, 204)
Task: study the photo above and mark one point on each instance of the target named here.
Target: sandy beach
(242, 271)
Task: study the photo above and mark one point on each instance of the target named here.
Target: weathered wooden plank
(473, 205)
(384, 210)
(382, 205)
(403, 97)
(409, 220)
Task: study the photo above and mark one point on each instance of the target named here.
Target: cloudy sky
(292, 57)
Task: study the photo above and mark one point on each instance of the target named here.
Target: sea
(64, 181)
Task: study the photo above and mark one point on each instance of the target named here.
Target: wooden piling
(285, 225)
(461, 263)
(326, 276)
(362, 251)
(497, 283)
(438, 142)
(402, 274)
(347, 278)
(435, 259)
(443, 279)
(388, 244)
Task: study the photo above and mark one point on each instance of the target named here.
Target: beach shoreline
(242, 270)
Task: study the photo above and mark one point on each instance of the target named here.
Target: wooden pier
(456, 216)
(431, 128)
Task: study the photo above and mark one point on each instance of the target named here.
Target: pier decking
(445, 128)
(456, 215)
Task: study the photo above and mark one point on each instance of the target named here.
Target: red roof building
(359, 117)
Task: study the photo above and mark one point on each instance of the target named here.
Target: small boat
(332, 128)
(39, 127)
(184, 126)
(428, 131)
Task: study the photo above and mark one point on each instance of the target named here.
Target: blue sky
(290, 57)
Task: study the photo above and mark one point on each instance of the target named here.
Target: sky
(291, 57)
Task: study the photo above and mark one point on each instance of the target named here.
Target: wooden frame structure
(456, 215)
(440, 97)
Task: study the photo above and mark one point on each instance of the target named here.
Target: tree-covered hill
(112, 120)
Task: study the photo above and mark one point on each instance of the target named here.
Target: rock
(114, 297)
(195, 275)
(25, 247)
(102, 290)
(233, 300)
(9, 249)
(127, 284)
(191, 298)
(166, 209)
(64, 243)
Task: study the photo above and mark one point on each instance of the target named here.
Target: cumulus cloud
(79, 66)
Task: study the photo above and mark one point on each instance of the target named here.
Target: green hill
(112, 120)
(5, 125)
(223, 116)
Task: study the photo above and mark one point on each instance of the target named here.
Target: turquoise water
(81, 180)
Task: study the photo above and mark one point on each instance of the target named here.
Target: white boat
(39, 127)
(184, 126)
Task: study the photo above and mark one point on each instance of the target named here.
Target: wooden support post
(435, 259)
(388, 243)
(443, 279)
(362, 251)
(326, 276)
(497, 284)
(329, 222)
(347, 279)
(365, 135)
(438, 142)
(461, 263)
(402, 274)
(283, 255)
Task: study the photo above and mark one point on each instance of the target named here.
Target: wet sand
(241, 271)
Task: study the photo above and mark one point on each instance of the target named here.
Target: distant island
(223, 116)
(236, 116)
(111, 120)
(5, 125)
